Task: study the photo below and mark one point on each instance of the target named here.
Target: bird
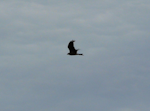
(71, 48)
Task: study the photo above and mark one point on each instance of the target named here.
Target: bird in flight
(71, 48)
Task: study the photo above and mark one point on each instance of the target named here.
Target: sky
(36, 74)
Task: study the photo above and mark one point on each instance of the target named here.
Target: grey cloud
(37, 74)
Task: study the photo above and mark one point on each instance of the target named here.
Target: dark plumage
(71, 48)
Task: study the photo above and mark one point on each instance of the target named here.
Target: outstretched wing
(71, 46)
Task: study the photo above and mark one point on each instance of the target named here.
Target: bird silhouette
(71, 48)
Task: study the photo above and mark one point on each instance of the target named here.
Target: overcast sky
(36, 74)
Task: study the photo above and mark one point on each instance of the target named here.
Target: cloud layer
(37, 74)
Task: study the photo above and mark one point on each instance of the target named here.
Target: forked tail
(79, 54)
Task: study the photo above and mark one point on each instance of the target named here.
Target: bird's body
(71, 48)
